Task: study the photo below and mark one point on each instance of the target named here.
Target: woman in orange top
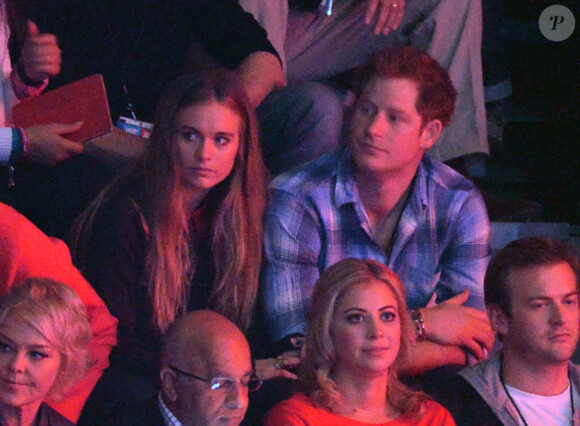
(359, 331)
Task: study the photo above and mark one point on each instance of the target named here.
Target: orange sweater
(25, 253)
(300, 410)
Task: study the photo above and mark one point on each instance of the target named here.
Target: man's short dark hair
(436, 98)
(521, 254)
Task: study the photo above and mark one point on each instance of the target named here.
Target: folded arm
(460, 323)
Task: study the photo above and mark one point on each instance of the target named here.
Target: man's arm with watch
(446, 334)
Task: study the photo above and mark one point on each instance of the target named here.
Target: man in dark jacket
(531, 294)
(206, 372)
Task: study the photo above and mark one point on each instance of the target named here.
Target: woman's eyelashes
(5, 347)
(354, 318)
(194, 135)
(191, 135)
(223, 139)
(387, 315)
(33, 354)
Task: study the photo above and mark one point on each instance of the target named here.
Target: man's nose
(378, 126)
(238, 397)
(557, 315)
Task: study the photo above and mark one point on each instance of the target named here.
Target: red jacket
(27, 252)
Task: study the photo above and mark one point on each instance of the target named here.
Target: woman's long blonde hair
(321, 357)
(236, 207)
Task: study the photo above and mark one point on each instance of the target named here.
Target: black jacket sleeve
(115, 267)
(227, 32)
(464, 403)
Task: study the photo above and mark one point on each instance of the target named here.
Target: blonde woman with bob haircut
(359, 331)
(44, 337)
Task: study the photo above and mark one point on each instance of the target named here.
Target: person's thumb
(460, 299)
(64, 128)
(32, 29)
(71, 147)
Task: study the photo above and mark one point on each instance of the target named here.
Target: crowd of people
(271, 236)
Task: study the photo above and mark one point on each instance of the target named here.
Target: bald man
(206, 372)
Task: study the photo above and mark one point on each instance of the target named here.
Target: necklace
(516, 405)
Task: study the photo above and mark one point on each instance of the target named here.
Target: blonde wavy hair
(56, 312)
(321, 357)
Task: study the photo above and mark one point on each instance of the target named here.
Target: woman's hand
(270, 368)
(387, 14)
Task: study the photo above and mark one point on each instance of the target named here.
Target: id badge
(135, 127)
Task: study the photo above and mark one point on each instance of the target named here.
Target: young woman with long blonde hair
(182, 230)
(359, 331)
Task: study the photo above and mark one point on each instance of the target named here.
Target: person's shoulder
(433, 408)
(146, 414)
(298, 401)
(18, 235)
(443, 176)
(12, 220)
(436, 414)
(309, 177)
(51, 417)
(298, 406)
(126, 194)
(574, 370)
(8, 214)
(122, 205)
(472, 390)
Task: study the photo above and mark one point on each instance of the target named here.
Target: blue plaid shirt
(316, 218)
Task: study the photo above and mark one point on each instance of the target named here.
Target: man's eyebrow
(542, 297)
(538, 297)
(365, 100)
(397, 111)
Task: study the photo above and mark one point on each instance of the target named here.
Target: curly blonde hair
(321, 357)
(56, 312)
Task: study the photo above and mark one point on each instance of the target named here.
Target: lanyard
(516, 405)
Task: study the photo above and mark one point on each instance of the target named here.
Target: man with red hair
(380, 198)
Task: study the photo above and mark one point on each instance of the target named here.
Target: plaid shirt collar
(346, 191)
(168, 417)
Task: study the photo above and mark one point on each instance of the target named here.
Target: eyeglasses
(252, 382)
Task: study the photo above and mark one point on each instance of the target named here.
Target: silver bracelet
(417, 318)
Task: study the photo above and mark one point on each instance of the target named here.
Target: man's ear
(499, 319)
(168, 380)
(430, 133)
